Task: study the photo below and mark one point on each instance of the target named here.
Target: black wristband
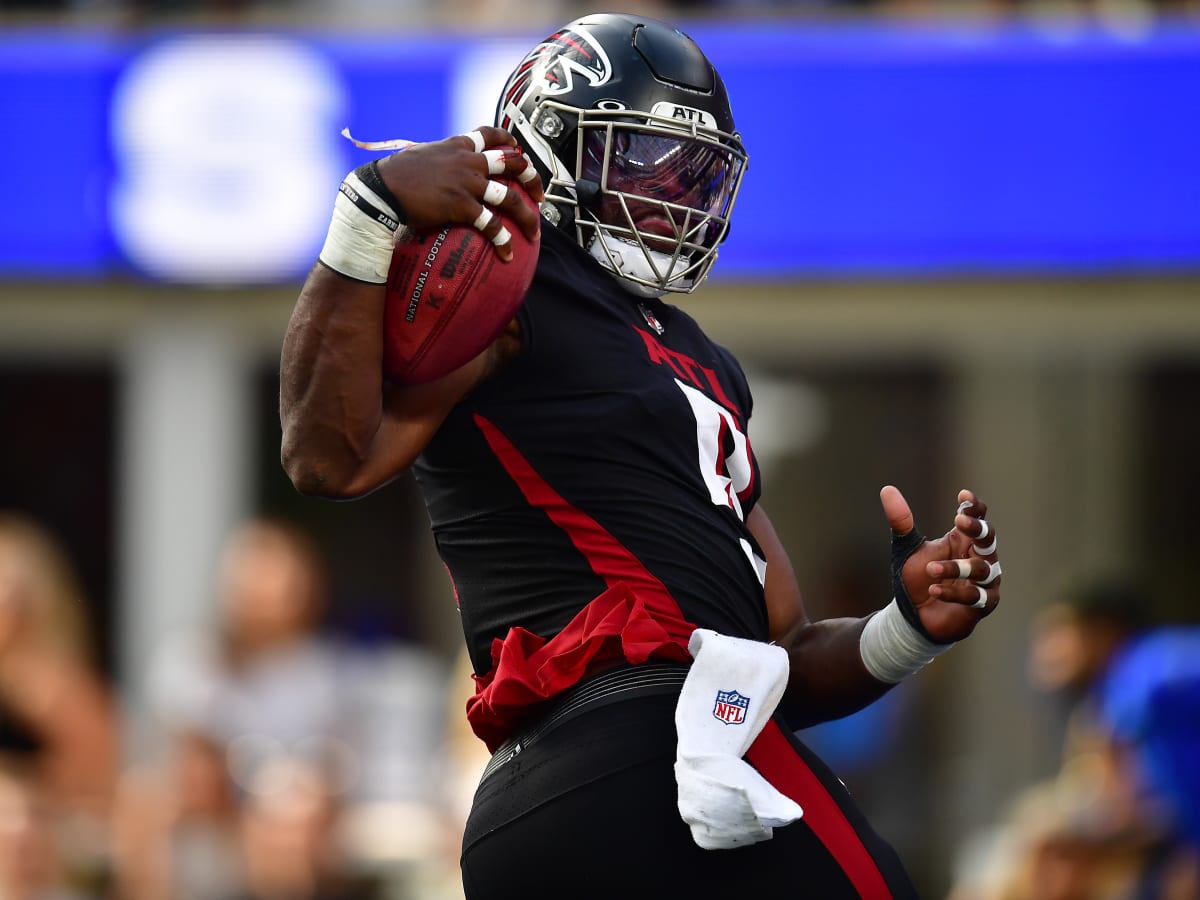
(368, 208)
(368, 173)
(904, 546)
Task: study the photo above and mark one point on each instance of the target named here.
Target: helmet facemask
(653, 200)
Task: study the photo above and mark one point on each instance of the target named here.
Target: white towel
(728, 697)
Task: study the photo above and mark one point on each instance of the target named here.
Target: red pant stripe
(773, 755)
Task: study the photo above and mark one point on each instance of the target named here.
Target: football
(449, 296)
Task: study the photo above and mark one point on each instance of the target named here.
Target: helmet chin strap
(627, 262)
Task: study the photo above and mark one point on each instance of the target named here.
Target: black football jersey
(612, 448)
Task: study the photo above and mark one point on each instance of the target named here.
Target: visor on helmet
(680, 171)
(661, 199)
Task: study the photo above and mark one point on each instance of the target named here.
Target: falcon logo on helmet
(556, 62)
(629, 126)
(574, 52)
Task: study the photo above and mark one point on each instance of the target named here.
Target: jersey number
(724, 458)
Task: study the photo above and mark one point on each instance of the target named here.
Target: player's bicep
(411, 416)
(785, 604)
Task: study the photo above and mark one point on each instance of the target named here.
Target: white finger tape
(494, 193)
(964, 568)
(527, 174)
(986, 530)
(482, 220)
(495, 161)
(502, 237)
(964, 506)
(985, 551)
(994, 572)
(981, 603)
(476, 138)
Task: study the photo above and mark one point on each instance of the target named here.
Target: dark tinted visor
(688, 172)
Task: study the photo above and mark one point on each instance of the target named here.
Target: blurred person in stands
(175, 827)
(1072, 643)
(31, 856)
(265, 683)
(57, 717)
(1100, 828)
(290, 839)
(264, 667)
(1150, 706)
(1082, 836)
(260, 677)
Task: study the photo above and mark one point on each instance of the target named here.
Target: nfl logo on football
(731, 707)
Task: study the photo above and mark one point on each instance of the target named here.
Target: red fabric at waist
(528, 670)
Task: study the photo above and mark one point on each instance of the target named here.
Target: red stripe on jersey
(607, 556)
(775, 758)
(635, 619)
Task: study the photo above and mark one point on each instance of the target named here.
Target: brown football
(449, 296)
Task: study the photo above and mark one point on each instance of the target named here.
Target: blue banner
(875, 151)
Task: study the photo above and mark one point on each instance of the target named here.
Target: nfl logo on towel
(731, 707)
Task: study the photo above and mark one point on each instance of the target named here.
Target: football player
(641, 648)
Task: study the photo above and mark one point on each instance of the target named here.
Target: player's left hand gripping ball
(449, 296)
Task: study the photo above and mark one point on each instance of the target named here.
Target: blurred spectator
(31, 862)
(1079, 838)
(1072, 644)
(1150, 704)
(290, 840)
(259, 677)
(56, 712)
(175, 828)
(266, 691)
(1110, 825)
(264, 669)
(1074, 640)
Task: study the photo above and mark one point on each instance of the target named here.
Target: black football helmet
(629, 125)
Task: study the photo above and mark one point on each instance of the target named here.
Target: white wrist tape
(892, 649)
(361, 234)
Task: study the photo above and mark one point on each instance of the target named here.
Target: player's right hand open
(463, 180)
(953, 581)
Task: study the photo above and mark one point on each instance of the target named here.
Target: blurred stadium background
(967, 253)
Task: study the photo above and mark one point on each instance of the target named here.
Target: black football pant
(588, 810)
